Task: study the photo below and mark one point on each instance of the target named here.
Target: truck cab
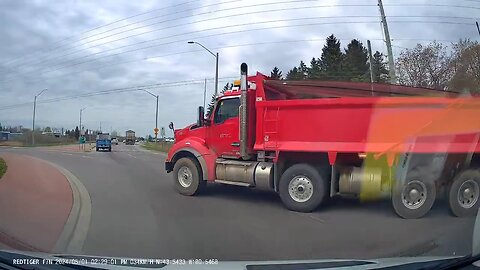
(312, 140)
(103, 142)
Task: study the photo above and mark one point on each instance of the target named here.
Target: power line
(108, 24)
(219, 28)
(107, 65)
(117, 90)
(194, 32)
(431, 5)
(417, 5)
(173, 19)
(185, 24)
(241, 14)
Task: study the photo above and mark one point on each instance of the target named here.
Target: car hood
(135, 263)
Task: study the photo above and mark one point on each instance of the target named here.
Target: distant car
(115, 141)
(124, 141)
(103, 142)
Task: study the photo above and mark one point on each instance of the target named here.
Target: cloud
(50, 44)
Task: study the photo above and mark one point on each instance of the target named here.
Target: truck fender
(206, 158)
(197, 155)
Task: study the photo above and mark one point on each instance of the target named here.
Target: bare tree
(425, 66)
(466, 66)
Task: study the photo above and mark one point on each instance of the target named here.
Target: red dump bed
(316, 116)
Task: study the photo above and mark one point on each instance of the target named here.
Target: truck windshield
(104, 137)
(226, 108)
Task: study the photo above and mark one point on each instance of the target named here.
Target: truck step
(233, 183)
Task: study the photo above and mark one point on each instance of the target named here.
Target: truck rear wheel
(187, 176)
(302, 188)
(414, 198)
(463, 193)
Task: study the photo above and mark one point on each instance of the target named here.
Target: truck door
(224, 131)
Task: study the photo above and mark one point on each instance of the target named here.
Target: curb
(76, 227)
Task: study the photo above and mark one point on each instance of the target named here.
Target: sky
(76, 47)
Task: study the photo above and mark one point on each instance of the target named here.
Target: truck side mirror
(170, 126)
(200, 119)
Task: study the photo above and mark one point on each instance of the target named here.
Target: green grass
(3, 167)
(159, 146)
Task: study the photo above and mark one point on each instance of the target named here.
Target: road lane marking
(131, 155)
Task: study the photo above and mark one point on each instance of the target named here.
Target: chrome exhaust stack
(243, 112)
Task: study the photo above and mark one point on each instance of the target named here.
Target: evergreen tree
(356, 67)
(379, 68)
(294, 74)
(276, 73)
(211, 105)
(77, 133)
(314, 71)
(331, 60)
(303, 69)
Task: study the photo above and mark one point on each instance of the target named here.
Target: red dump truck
(312, 140)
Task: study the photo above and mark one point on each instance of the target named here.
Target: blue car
(104, 142)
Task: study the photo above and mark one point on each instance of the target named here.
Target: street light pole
(81, 110)
(156, 121)
(34, 109)
(216, 63)
(156, 112)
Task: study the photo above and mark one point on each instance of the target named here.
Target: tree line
(454, 68)
(351, 64)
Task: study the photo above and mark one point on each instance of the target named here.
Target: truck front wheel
(414, 198)
(187, 177)
(463, 193)
(302, 188)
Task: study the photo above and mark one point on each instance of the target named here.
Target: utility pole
(391, 64)
(80, 127)
(205, 93)
(34, 108)
(156, 120)
(216, 75)
(370, 60)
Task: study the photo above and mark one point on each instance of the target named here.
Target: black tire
(110, 149)
(308, 178)
(400, 193)
(97, 149)
(194, 171)
(460, 204)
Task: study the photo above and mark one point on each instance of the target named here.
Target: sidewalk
(35, 202)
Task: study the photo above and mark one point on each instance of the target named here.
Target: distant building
(4, 135)
(7, 135)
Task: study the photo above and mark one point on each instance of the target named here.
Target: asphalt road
(136, 213)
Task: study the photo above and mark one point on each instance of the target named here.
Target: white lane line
(131, 155)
